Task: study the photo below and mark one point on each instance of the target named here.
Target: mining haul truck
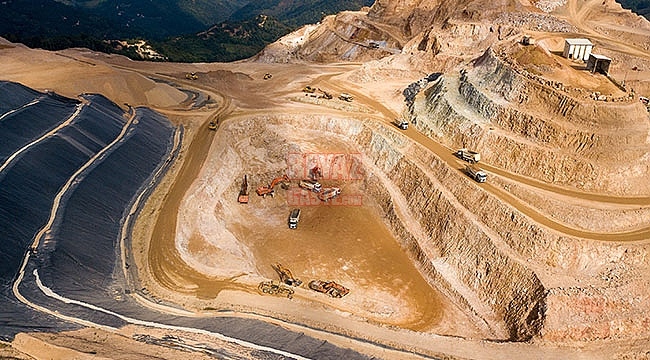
(294, 218)
(329, 193)
(402, 124)
(311, 185)
(468, 155)
(476, 173)
(329, 287)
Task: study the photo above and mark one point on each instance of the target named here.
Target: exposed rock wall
(535, 130)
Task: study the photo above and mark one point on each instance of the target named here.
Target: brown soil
(421, 291)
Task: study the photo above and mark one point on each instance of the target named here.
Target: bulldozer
(269, 190)
(329, 287)
(191, 76)
(286, 277)
(271, 288)
(243, 192)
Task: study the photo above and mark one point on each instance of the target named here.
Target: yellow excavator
(286, 277)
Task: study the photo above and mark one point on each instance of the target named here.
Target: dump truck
(468, 155)
(191, 76)
(213, 125)
(294, 218)
(243, 192)
(311, 185)
(286, 277)
(309, 89)
(269, 190)
(475, 173)
(267, 76)
(346, 97)
(329, 287)
(271, 288)
(402, 124)
(329, 193)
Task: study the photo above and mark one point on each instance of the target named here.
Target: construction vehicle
(243, 192)
(271, 288)
(286, 277)
(309, 89)
(326, 95)
(213, 125)
(294, 218)
(346, 97)
(329, 287)
(269, 190)
(267, 76)
(191, 76)
(468, 155)
(475, 173)
(402, 124)
(329, 193)
(315, 172)
(311, 185)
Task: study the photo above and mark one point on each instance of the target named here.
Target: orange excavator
(268, 190)
(243, 192)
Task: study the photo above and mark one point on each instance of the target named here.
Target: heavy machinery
(311, 185)
(286, 277)
(329, 193)
(346, 97)
(271, 288)
(213, 125)
(329, 287)
(475, 173)
(191, 76)
(326, 95)
(294, 218)
(468, 155)
(309, 89)
(402, 124)
(267, 76)
(268, 190)
(243, 192)
(315, 172)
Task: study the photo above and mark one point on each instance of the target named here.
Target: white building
(577, 49)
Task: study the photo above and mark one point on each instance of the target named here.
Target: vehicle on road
(294, 218)
(476, 173)
(468, 155)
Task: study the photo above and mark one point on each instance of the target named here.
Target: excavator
(268, 190)
(315, 172)
(243, 192)
(286, 277)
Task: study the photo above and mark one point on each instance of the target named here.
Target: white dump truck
(402, 124)
(468, 155)
(309, 184)
(294, 218)
(475, 173)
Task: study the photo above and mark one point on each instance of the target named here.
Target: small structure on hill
(578, 49)
(598, 63)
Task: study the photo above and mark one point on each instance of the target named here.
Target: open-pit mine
(414, 180)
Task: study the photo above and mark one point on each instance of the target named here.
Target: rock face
(538, 129)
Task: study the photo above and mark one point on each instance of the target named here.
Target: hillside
(538, 248)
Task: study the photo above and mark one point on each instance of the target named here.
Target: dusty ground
(195, 246)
